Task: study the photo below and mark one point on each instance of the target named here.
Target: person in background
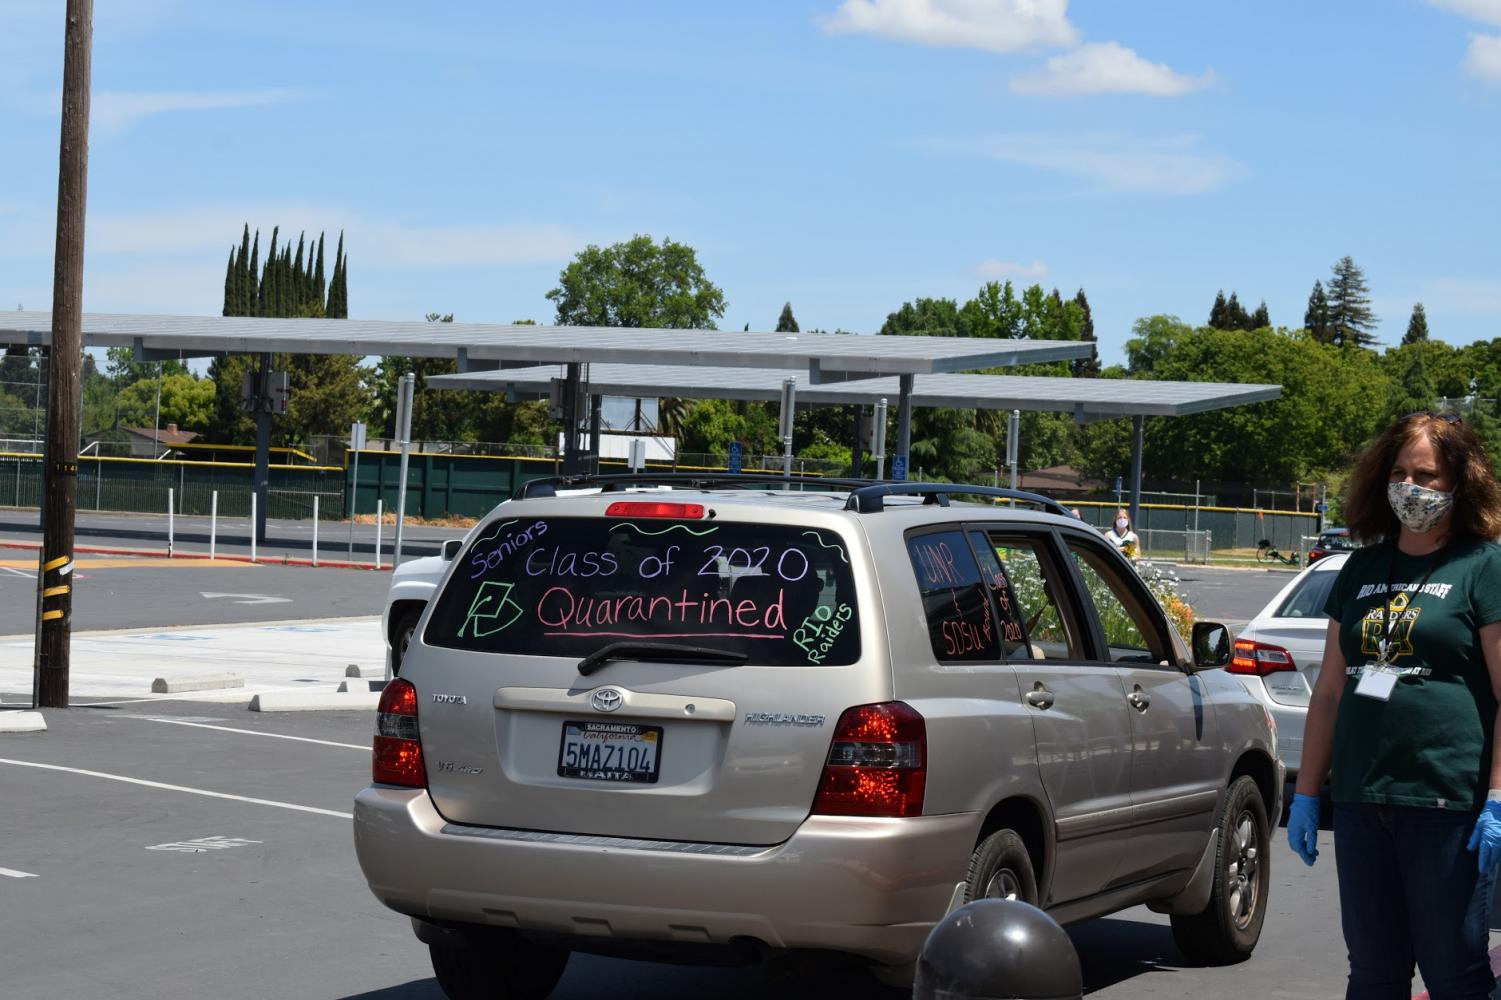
(1076, 512)
(1122, 537)
(1405, 711)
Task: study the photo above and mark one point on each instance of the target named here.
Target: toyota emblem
(606, 700)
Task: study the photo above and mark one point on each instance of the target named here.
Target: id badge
(1376, 681)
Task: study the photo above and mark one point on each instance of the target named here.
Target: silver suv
(761, 723)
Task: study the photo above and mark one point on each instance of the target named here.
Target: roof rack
(871, 499)
(691, 480)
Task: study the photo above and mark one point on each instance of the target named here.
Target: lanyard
(1387, 622)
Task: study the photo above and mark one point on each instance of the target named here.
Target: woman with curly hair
(1405, 711)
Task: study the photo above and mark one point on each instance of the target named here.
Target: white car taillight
(397, 756)
(1259, 658)
(877, 764)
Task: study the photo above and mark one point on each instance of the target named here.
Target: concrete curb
(100, 550)
(199, 682)
(22, 722)
(355, 686)
(315, 701)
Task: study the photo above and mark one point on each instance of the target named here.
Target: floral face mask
(1417, 507)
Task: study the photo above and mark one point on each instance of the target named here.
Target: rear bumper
(869, 887)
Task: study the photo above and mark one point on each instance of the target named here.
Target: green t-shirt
(1430, 743)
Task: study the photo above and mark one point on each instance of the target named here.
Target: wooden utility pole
(60, 469)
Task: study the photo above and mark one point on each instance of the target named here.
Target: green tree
(1260, 319)
(437, 415)
(1332, 402)
(1316, 316)
(995, 311)
(186, 401)
(1236, 315)
(1412, 385)
(1417, 326)
(124, 369)
(787, 323)
(637, 283)
(1086, 367)
(927, 317)
(1219, 313)
(1350, 317)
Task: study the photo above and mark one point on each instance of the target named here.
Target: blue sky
(844, 155)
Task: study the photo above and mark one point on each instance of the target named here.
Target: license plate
(610, 751)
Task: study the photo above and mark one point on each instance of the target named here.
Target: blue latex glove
(1487, 837)
(1303, 827)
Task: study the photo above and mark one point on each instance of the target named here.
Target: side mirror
(1211, 645)
(451, 547)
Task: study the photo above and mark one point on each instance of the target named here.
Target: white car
(1278, 653)
(412, 586)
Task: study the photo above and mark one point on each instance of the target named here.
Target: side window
(955, 599)
(1031, 597)
(1132, 627)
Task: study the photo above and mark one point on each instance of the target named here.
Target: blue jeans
(1409, 891)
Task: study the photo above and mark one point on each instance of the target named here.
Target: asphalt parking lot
(179, 847)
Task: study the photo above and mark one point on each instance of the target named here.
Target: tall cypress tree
(787, 323)
(1316, 316)
(338, 287)
(318, 283)
(252, 279)
(231, 285)
(1086, 367)
(1417, 326)
(1236, 317)
(1261, 319)
(1219, 318)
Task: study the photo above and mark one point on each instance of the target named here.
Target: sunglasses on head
(1444, 415)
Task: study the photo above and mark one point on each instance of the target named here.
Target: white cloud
(1483, 59)
(990, 25)
(1166, 166)
(1105, 68)
(993, 269)
(1485, 11)
(208, 231)
(114, 111)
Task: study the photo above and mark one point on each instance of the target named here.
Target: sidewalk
(270, 657)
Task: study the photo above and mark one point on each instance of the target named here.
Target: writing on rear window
(566, 586)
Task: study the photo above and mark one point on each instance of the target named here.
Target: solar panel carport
(1085, 398)
(825, 358)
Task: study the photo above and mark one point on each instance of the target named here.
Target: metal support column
(262, 398)
(596, 417)
(899, 462)
(1136, 431)
(571, 420)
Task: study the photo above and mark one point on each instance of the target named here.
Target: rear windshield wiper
(662, 652)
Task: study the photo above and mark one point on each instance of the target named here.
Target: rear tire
(401, 637)
(1227, 930)
(1001, 868)
(498, 967)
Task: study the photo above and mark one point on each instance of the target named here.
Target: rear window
(1337, 542)
(1308, 596)
(566, 586)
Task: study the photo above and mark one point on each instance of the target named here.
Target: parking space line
(179, 788)
(12, 873)
(251, 732)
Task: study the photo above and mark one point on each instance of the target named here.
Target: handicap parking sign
(737, 458)
(899, 467)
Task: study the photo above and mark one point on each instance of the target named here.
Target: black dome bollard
(998, 949)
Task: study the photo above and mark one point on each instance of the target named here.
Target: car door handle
(1139, 700)
(1040, 697)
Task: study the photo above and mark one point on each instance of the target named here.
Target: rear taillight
(1258, 658)
(877, 764)
(397, 759)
